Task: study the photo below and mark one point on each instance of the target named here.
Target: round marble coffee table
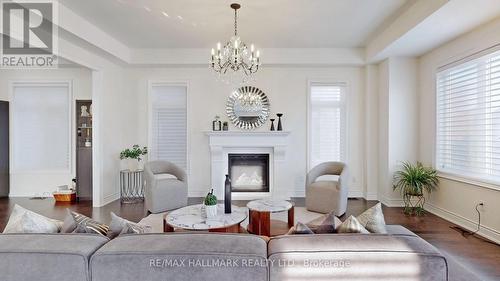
(190, 218)
(259, 220)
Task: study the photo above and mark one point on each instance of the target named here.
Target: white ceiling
(266, 23)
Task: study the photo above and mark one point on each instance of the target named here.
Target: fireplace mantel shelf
(247, 133)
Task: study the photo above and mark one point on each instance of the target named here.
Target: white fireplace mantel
(223, 142)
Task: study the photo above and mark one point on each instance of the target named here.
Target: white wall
(456, 200)
(398, 121)
(29, 184)
(287, 91)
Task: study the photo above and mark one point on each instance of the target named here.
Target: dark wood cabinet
(84, 144)
(4, 149)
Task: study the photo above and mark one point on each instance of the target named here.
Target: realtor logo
(28, 35)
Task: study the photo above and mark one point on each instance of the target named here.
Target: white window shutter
(169, 124)
(468, 119)
(327, 121)
(41, 127)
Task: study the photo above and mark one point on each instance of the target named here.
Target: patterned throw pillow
(300, 228)
(22, 220)
(329, 224)
(373, 219)
(85, 224)
(351, 225)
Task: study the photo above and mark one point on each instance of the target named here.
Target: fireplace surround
(274, 144)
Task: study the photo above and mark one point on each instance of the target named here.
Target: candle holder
(272, 124)
(280, 126)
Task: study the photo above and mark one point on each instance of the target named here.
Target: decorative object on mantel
(412, 181)
(280, 127)
(210, 204)
(235, 57)
(248, 107)
(227, 195)
(134, 156)
(216, 124)
(225, 126)
(272, 124)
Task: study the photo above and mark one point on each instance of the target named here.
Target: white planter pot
(130, 164)
(211, 211)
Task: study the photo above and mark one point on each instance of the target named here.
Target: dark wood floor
(478, 256)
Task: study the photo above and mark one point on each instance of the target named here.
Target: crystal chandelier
(235, 56)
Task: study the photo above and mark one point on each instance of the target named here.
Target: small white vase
(211, 211)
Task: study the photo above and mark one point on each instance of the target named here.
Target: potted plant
(412, 181)
(210, 203)
(134, 156)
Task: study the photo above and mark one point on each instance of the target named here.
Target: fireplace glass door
(249, 172)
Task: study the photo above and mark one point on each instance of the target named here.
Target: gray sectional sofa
(400, 255)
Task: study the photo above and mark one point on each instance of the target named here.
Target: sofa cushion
(47, 257)
(22, 220)
(181, 256)
(355, 256)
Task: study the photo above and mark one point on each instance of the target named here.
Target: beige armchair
(166, 187)
(324, 196)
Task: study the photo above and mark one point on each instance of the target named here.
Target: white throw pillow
(373, 219)
(22, 220)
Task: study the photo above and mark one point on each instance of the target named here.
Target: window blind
(169, 122)
(468, 119)
(327, 123)
(41, 127)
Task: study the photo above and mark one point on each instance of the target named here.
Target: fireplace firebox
(249, 172)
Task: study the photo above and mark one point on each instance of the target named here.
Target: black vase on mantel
(272, 124)
(227, 195)
(280, 127)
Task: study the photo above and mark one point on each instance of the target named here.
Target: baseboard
(355, 194)
(391, 202)
(109, 198)
(371, 196)
(464, 222)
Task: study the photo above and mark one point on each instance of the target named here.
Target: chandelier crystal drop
(235, 59)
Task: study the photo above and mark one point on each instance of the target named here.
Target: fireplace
(249, 172)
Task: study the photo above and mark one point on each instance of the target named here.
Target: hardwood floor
(478, 256)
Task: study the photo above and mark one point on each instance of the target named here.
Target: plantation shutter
(169, 122)
(327, 123)
(468, 119)
(41, 127)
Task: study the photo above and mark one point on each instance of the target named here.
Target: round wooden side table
(259, 219)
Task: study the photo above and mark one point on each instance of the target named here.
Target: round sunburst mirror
(248, 107)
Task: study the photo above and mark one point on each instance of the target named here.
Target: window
(327, 123)
(168, 135)
(41, 126)
(468, 119)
